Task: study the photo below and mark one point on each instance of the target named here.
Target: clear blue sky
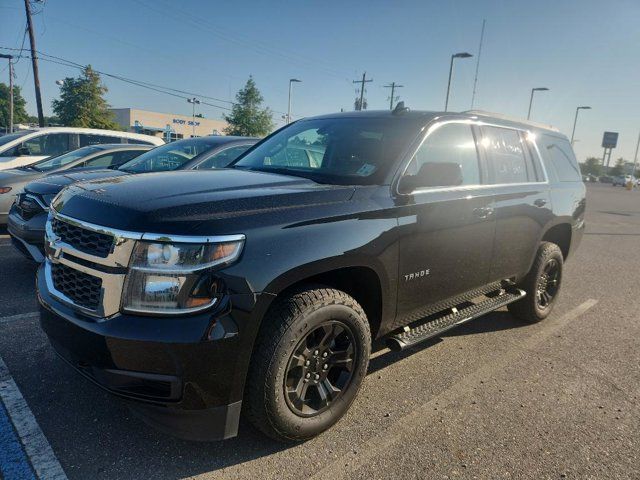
(586, 51)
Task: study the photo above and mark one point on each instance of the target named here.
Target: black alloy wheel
(320, 369)
(548, 283)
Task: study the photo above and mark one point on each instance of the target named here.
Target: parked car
(12, 181)
(27, 217)
(260, 288)
(606, 179)
(623, 180)
(28, 146)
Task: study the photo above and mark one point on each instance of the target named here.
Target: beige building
(166, 125)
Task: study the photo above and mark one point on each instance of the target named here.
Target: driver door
(447, 232)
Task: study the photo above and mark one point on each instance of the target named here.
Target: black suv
(261, 287)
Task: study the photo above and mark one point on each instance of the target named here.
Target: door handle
(483, 212)
(540, 202)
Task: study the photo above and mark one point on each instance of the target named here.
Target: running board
(411, 336)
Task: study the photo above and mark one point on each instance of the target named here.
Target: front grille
(27, 207)
(83, 289)
(87, 241)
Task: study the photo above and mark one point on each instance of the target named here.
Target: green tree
(82, 102)
(591, 166)
(19, 103)
(248, 117)
(618, 169)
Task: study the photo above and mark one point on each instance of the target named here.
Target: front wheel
(542, 285)
(310, 359)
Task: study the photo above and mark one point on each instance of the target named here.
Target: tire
(285, 354)
(537, 306)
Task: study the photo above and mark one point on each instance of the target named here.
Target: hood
(179, 202)
(52, 184)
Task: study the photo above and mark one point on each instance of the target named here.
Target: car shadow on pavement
(492, 322)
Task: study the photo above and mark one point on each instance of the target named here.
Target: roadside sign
(610, 140)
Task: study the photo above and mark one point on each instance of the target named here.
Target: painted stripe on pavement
(35, 444)
(14, 464)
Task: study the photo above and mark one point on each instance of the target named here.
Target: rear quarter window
(558, 156)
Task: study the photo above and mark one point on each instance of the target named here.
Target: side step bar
(411, 336)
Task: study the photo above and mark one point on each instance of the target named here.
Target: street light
(455, 55)
(10, 58)
(537, 89)
(60, 82)
(575, 120)
(292, 80)
(193, 101)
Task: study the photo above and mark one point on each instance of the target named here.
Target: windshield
(64, 159)
(356, 150)
(4, 139)
(170, 156)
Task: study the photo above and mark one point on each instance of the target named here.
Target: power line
(183, 94)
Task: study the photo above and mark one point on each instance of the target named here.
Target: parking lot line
(377, 445)
(14, 463)
(20, 316)
(35, 444)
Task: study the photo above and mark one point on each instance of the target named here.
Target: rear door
(521, 198)
(446, 232)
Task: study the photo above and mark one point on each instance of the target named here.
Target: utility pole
(10, 58)
(475, 79)
(393, 87)
(360, 105)
(193, 101)
(34, 62)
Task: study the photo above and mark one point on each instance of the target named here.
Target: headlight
(176, 277)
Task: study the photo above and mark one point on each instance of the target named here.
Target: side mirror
(23, 151)
(432, 175)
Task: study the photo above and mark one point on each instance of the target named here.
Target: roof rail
(484, 113)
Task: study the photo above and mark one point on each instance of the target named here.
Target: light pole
(537, 89)
(291, 80)
(10, 58)
(193, 101)
(455, 55)
(635, 157)
(575, 120)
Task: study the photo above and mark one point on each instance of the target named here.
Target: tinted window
(101, 161)
(4, 139)
(450, 143)
(65, 159)
(558, 153)
(120, 158)
(88, 139)
(341, 150)
(223, 158)
(170, 156)
(505, 153)
(49, 144)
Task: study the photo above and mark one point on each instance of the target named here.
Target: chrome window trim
(434, 125)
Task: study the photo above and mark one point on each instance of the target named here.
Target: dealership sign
(610, 140)
(180, 121)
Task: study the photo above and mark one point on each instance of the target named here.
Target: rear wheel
(310, 360)
(542, 285)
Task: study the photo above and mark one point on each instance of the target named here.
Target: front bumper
(28, 235)
(184, 375)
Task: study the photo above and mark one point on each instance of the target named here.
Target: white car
(623, 180)
(25, 147)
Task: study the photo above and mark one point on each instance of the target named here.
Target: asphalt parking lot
(493, 399)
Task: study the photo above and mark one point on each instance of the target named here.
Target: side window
(48, 145)
(450, 143)
(558, 153)
(90, 139)
(103, 161)
(120, 158)
(223, 158)
(506, 157)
